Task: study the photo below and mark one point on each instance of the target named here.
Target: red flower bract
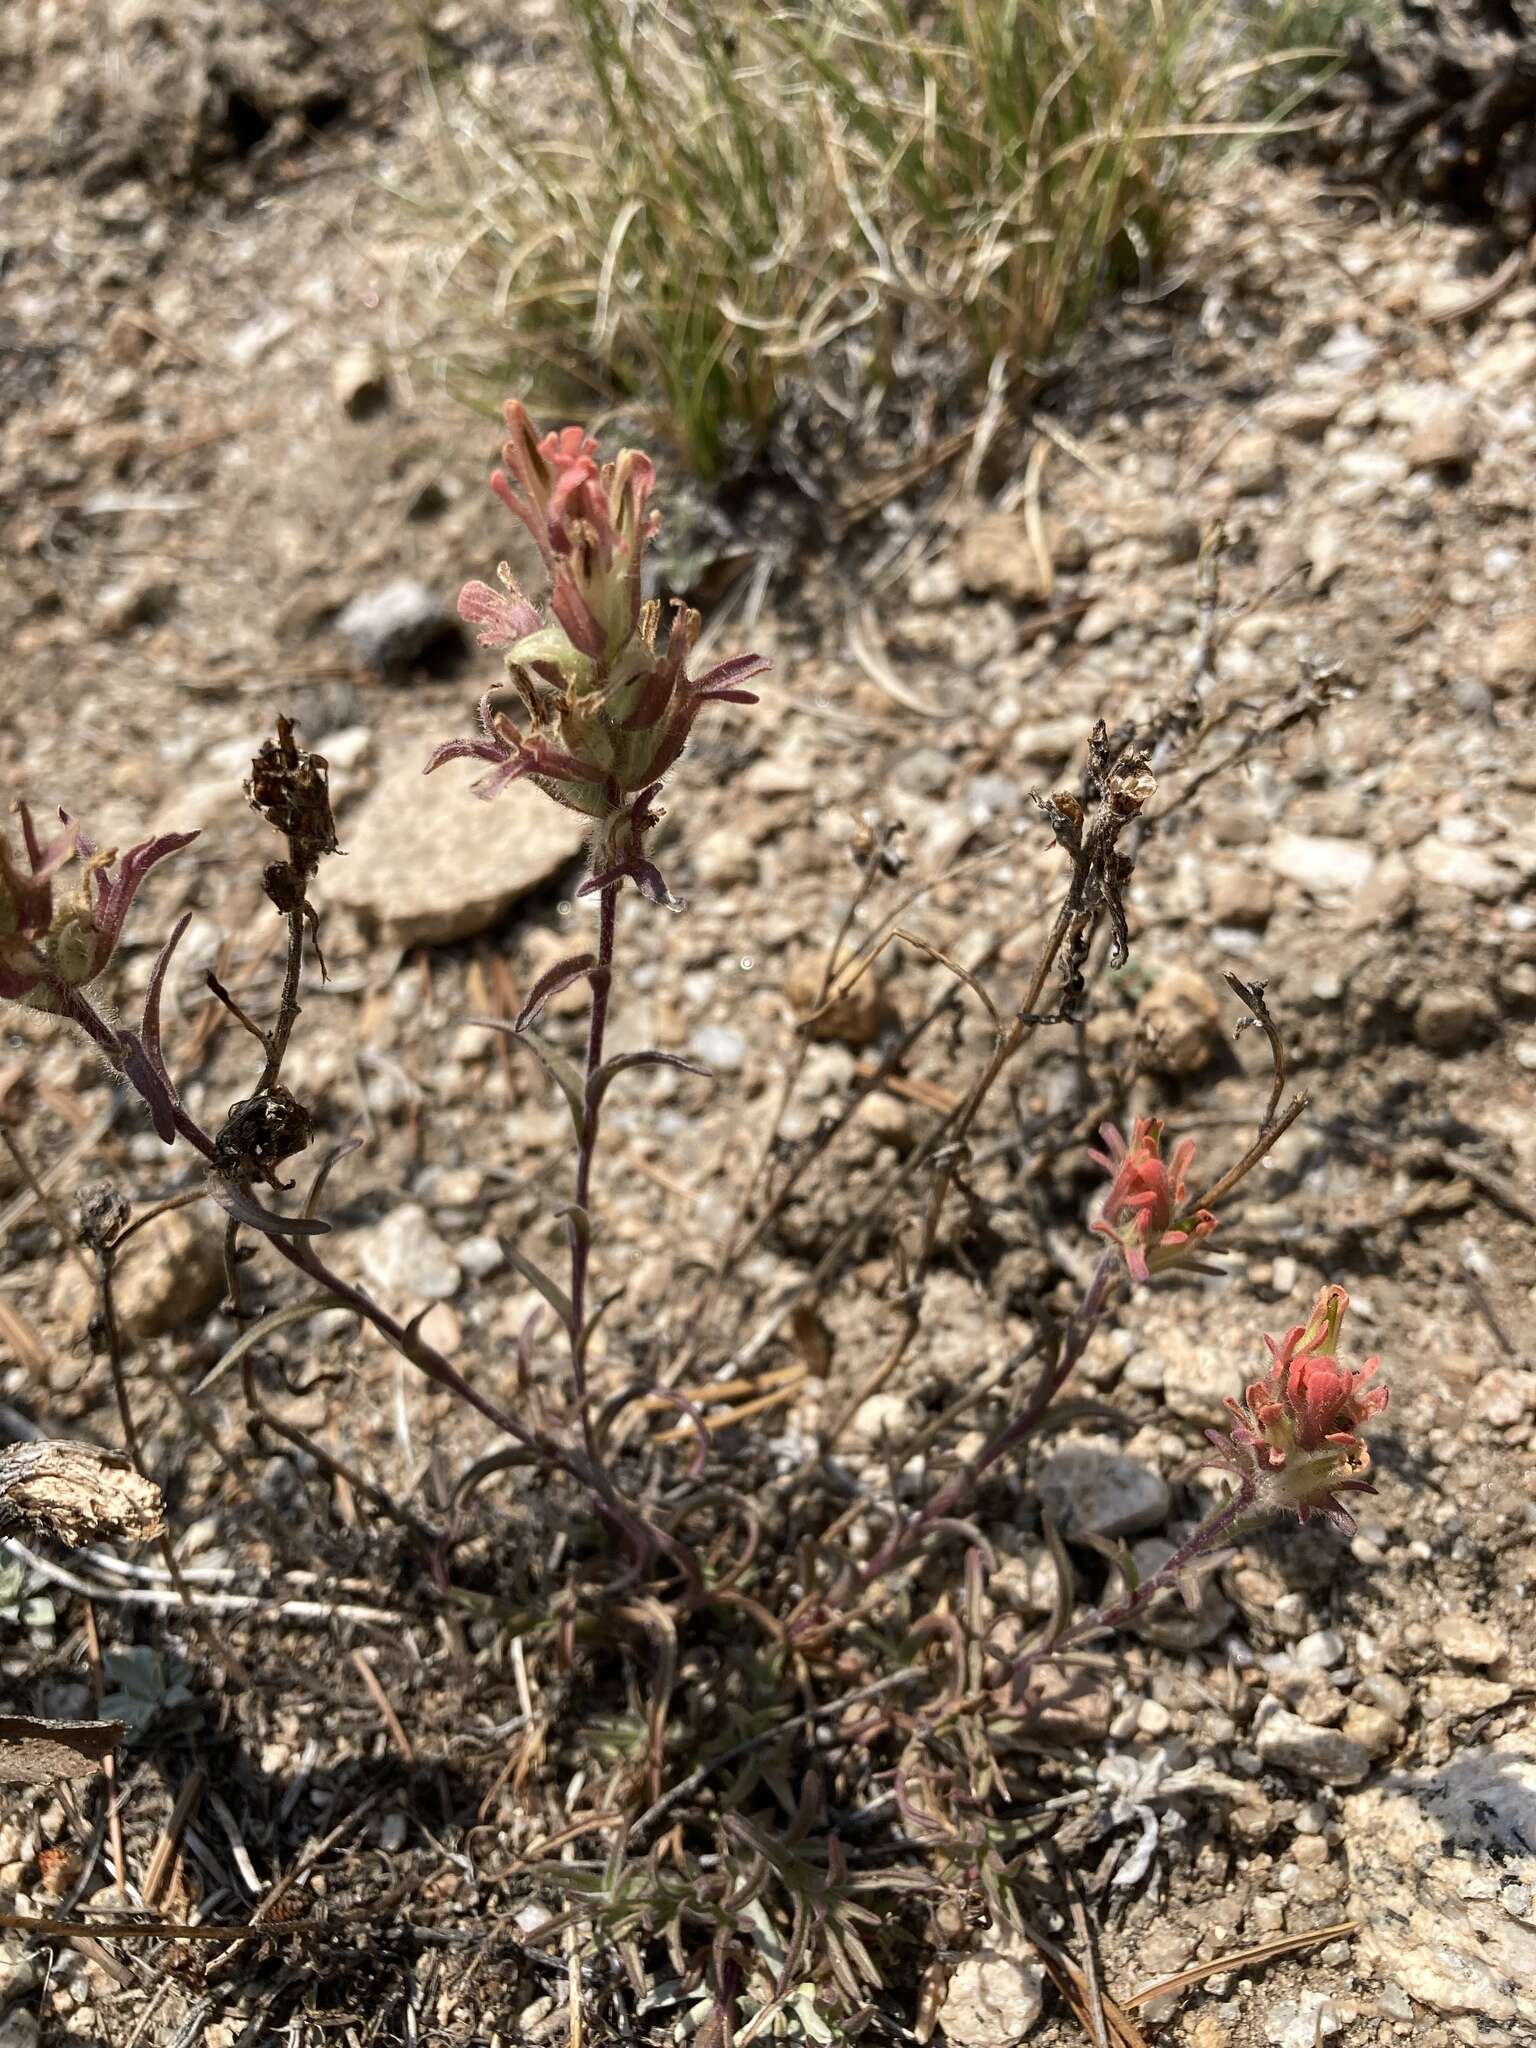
(609, 703)
(1293, 1443)
(48, 949)
(1142, 1211)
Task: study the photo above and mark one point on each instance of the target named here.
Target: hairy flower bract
(1143, 1211)
(49, 948)
(1293, 1444)
(608, 700)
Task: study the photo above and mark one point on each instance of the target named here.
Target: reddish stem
(901, 1543)
(581, 1236)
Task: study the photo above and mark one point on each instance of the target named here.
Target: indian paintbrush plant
(753, 1644)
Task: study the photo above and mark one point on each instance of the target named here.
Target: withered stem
(276, 1040)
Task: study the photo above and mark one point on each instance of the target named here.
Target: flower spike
(609, 711)
(1143, 1211)
(1293, 1442)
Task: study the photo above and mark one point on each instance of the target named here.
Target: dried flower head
(609, 705)
(1143, 1211)
(48, 948)
(1293, 1444)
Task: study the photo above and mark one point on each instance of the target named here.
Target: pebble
(1102, 620)
(429, 863)
(1381, 1689)
(1252, 461)
(1241, 896)
(1375, 1731)
(855, 1018)
(348, 747)
(1455, 1020)
(1179, 1024)
(168, 1275)
(1320, 1650)
(995, 558)
(1469, 1641)
(1287, 1742)
(1093, 1489)
(1323, 866)
(1504, 1396)
(726, 858)
(890, 1119)
(1445, 438)
(394, 624)
(1306, 414)
(1302, 2022)
(405, 1259)
(1509, 653)
(993, 2000)
(442, 1328)
(884, 1418)
(1153, 1718)
(722, 1050)
(1466, 868)
(1453, 1694)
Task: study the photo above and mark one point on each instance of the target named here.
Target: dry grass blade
(1087, 2001)
(1261, 1952)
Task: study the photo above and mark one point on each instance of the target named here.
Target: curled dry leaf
(76, 1494)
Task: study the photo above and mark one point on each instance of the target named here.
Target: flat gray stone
(427, 863)
(1306, 1751)
(1093, 1489)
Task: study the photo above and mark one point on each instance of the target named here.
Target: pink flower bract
(1142, 1212)
(48, 949)
(608, 701)
(1294, 1441)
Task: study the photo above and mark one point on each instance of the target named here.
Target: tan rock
(168, 1274)
(856, 1018)
(1179, 1024)
(996, 558)
(1509, 655)
(427, 862)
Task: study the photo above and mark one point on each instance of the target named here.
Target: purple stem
(902, 1542)
(581, 1236)
(1206, 1537)
(411, 1346)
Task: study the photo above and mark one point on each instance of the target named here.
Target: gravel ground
(223, 497)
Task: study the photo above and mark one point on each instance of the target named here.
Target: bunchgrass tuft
(712, 214)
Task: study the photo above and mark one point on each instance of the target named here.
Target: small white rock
(405, 1259)
(1288, 1743)
(993, 2000)
(1321, 865)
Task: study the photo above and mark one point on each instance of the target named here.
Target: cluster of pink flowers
(608, 709)
(1293, 1444)
(49, 948)
(1143, 1211)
